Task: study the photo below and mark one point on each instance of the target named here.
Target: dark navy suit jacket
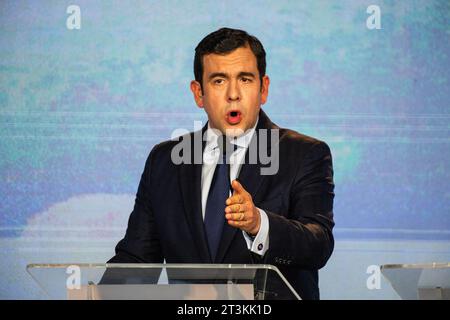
(166, 222)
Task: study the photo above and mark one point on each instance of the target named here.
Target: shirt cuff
(260, 243)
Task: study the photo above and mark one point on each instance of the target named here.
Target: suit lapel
(250, 175)
(190, 184)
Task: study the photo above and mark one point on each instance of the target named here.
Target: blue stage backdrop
(87, 88)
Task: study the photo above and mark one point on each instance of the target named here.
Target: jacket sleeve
(141, 242)
(304, 237)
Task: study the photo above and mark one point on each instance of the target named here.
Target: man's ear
(196, 89)
(265, 83)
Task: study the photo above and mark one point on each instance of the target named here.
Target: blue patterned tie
(215, 204)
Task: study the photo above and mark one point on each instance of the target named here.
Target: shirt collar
(242, 141)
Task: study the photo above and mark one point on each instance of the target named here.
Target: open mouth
(234, 117)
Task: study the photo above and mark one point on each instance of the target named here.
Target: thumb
(237, 186)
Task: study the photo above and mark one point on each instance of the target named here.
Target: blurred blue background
(81, 109)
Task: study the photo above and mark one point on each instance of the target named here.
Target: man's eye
(218, 81)
(245, 80)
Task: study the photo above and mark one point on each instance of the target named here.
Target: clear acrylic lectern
(162, 281)
(419, 281)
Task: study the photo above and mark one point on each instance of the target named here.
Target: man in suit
(183, 213)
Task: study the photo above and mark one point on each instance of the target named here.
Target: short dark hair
(224, 41)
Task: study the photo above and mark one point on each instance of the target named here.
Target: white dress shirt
(211, 154)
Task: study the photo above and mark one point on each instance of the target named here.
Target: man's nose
(233, 92)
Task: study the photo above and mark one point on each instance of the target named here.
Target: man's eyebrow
(247, 74)
(217, 74)
(224, 75)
